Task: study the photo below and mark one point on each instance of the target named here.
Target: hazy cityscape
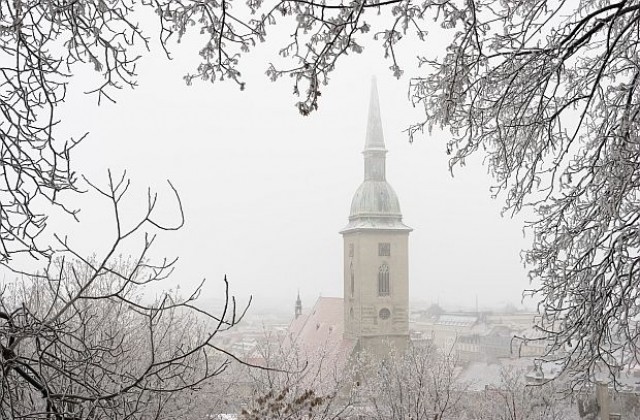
(375, 343)
(320, 210)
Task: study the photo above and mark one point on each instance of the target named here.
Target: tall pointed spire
(375, 245)
(375, 205)
(375, 136)
(374, 150)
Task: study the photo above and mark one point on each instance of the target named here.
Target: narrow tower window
(353, 281)
(384, 249)
(383, 280)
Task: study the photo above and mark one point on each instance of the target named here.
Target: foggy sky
(265, 190)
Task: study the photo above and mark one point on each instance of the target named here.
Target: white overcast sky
(265, 190)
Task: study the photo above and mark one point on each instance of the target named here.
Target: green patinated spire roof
(375, 204)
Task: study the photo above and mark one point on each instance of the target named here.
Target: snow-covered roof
(478, 375)
(457, 320)
(319, 337)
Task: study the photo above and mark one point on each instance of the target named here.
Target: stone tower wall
(363, 303)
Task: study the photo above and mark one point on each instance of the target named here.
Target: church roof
(375, 198)
(375, 204)
(319, 337)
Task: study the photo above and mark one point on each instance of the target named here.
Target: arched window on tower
(383, 280)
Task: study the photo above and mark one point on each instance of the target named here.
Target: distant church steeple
(376, 283)
(298, 306)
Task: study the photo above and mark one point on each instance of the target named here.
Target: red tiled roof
(319, 338)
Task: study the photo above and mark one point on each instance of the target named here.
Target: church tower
(376, 263)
